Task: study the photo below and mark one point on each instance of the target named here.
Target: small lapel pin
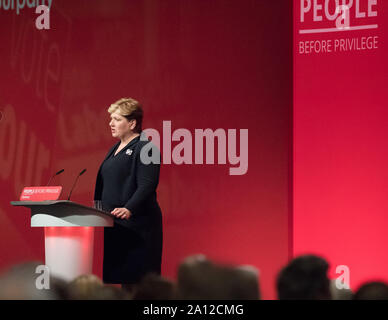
(128, 152)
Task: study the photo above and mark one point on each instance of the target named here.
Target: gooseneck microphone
(59, 172)
(80, 174)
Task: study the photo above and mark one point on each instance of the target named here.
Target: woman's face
(120, 126)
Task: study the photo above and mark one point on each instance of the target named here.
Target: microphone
(80, 174)
(59, 172)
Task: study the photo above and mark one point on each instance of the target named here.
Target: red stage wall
(200, 64)
(340, 142)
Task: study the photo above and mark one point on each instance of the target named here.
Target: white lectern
(68, 249)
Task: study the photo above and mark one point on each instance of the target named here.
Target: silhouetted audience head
(246, 285)
(84, 287)
(304, 278)
(90, 287)
(109, 293)
(154, 287)
(22, 282)
(374, 290)
(340, 293)
(193, 274)
(200, 279)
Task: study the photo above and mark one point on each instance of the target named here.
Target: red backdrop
(340, 143)
(200, 64)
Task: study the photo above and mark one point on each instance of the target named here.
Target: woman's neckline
(115, 153)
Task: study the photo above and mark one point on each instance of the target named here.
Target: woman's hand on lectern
(122, 213)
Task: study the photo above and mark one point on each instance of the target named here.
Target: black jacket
(137, 189)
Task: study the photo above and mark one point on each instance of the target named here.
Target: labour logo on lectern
(41, 193)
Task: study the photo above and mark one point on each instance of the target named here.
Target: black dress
(133, 247)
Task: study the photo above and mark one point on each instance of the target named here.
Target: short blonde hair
(130, 109)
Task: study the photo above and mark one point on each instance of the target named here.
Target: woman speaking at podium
(126, 188)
